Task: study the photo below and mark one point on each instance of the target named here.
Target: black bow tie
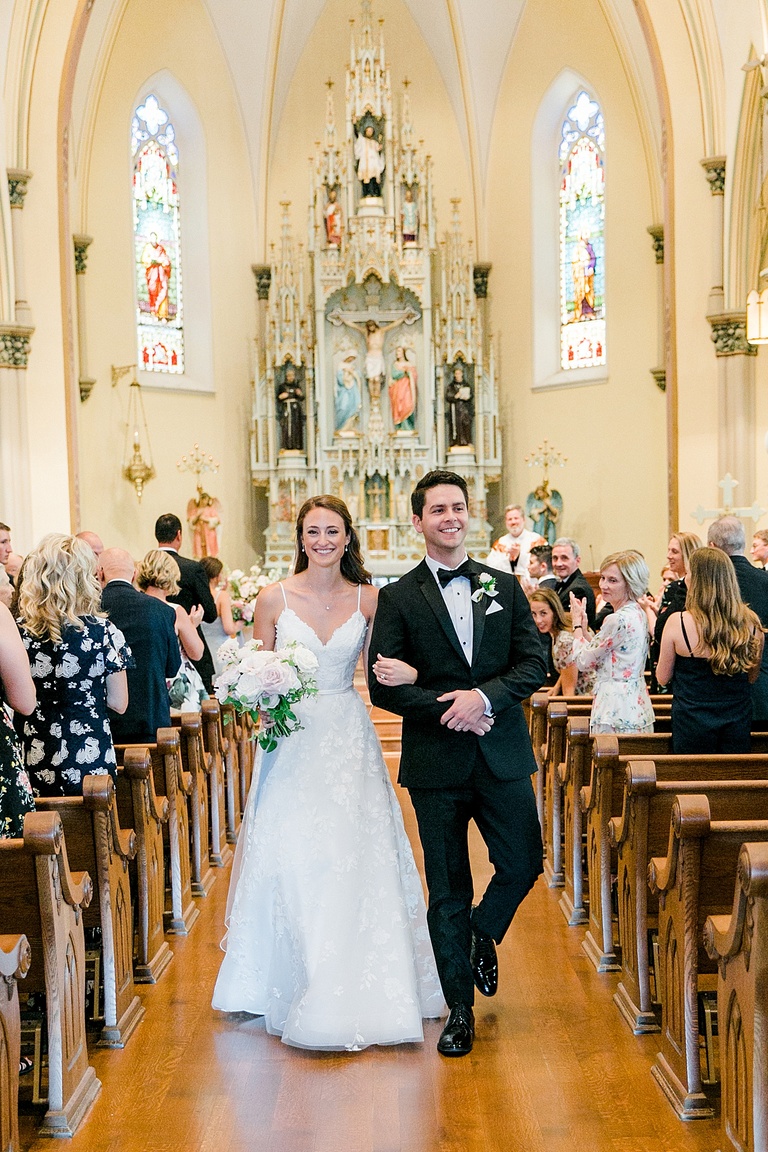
(445, 575)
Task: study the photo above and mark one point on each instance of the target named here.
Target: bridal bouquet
(266, 685)
(245, 588)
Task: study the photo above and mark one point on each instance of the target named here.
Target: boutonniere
(487, 587)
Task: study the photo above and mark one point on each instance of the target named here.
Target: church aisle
(554, 1068)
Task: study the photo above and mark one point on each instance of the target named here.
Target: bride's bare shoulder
(368, 597)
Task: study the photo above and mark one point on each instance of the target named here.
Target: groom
(466, 751)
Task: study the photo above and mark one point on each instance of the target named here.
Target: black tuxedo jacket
(148, 626)
(582, 589)
(753, 585)
(195, 589)
(412, 624)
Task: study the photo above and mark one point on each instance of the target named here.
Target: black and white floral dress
(16, 797)
(68, 734)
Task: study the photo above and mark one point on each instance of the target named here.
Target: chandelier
(136, 469)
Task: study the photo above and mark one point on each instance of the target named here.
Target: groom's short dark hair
(431, 480)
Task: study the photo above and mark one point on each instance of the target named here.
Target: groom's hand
(466, 711)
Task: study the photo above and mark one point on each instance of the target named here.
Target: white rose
(305, 661)
(228, 651)
(279, 679)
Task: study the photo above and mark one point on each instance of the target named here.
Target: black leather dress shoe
(458, 1034)
(485, 965)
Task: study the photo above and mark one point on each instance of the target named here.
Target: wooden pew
(642, 832)
(197, 765)
(537, 727)
(601, 799)
(693, 881)
(96, 844)
(41, 898)
(15, 959)
(137, 801)
(738, 943)
(223, 773)
(246, 753)
(230, 726)
(173, 783)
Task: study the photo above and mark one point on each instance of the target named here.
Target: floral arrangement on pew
(266, 685)
(244, 589)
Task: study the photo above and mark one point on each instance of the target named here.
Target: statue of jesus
(374, 333)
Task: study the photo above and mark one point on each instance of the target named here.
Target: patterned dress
(16, 797)
(563, 656)
(68, 734)
(618, 654)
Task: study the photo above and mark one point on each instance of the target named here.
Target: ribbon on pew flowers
(266, 685)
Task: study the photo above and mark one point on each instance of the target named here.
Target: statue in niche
(204, 518)
(460, 402)
(348, 397)
(369, 154)
(409, 218)
(290, 407)
(374, 333)
(544, 506)
(403, 378)
(333, 219)
(377, 498)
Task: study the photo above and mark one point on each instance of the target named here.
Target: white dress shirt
(457, 595)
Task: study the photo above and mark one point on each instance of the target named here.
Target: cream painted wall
(182, 40)
(614, 484)
(303, 120)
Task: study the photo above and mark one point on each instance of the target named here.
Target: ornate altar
(375, 365)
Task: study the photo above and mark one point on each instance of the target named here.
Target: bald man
(93, 541)
(149, 628)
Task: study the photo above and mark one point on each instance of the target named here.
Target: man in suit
(466, 754)
(540, 572)
(565, 564)
(728, 534)
(149, 628)
(193, 587)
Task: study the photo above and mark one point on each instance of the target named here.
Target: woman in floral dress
(552, 620)
(77, 659)
(17, 691)
(619, 651)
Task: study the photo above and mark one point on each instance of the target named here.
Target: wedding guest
(17, 691)
(566, 556)
(193, 587)
(5, 544)
(681, 547)
(78, 660)
(13, 565)
(552, 621)
(759, 549)
(225, 626)
(619, 650)
(511, 551)
(93, 541)
(710, 653)
(540, 567)
(158, 576)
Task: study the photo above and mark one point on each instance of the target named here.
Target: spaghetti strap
(685, 635)
(283, 592)
(359, 590)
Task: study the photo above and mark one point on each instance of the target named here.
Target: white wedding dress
(327, 936)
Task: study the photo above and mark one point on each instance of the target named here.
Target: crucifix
(728, 484)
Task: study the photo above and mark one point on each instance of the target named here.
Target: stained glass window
(156, 235)
(582, 235)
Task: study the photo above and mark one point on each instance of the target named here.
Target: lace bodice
(338, 658)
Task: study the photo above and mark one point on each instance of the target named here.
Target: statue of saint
(290, 410)
(333, 220)
(459, 398)
(204, 518)
(544, 507)
(403, 378)
(369, 154)
(410, 218)
(348, 397)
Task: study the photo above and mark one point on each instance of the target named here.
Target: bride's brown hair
(352, 567)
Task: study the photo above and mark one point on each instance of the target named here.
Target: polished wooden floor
(554, 1069)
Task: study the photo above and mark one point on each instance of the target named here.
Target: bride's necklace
(316, 593)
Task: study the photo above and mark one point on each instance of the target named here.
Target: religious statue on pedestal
(409, 218)
(333, 219)
(403, 377)
(369, 154)
(544, 506)
(348, 396)
(290, 408)
(460, 404)
(204, 518)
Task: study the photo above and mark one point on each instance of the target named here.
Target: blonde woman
(620, 649)
(77, 659)
(552, 620)
(158, 576)
(711, 655)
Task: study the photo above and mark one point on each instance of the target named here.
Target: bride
(327, 935)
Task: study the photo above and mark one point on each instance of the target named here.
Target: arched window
(582, 236)
(156, 234)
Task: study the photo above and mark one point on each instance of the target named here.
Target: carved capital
(656, 232)
(18, 178)
(660, 377)
(729, 334)
(86, 387)
(263, 274)
(15, 341)
(81, 244)
(480, 274)
(714, 170)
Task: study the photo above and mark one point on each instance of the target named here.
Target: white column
(736, 401)
(18, 178)
(656, 232)
(85, 381)
(714, 168)
(15, 501)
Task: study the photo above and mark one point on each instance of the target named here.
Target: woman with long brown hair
(326, 920)
(711, 653)
(552, 620)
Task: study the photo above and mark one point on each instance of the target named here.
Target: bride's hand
(392, 673)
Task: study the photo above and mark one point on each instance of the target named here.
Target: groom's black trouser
(505, 814)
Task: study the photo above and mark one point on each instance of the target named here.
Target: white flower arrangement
(244, 589)
(266, 685)
(487, 587)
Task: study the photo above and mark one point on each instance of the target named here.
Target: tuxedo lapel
(431, 591)
(479, 609)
